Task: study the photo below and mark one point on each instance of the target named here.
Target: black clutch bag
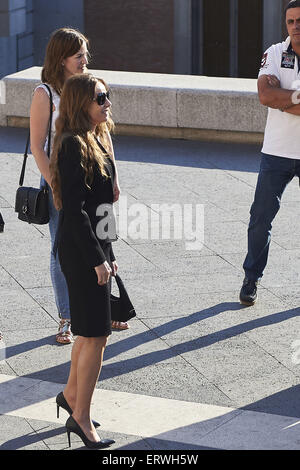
(121, 307)
(32, 203)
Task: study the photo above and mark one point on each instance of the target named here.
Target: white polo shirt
(282, 132)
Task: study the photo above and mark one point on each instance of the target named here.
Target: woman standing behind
(82, 180)
(66, 55)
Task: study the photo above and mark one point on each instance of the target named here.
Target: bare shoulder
(40, 103)
(40, 95)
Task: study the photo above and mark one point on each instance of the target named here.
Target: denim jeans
(274, 175)
(58, 280)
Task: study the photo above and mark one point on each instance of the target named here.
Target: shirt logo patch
(264, 61)
(288, 60)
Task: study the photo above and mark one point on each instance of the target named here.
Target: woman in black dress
(82, 183)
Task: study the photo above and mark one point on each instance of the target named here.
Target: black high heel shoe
(62, 402)
(72, 426)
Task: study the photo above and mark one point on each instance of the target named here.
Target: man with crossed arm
(278, 80)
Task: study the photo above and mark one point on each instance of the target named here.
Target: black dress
(79, 247)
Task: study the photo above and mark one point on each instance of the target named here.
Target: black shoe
(248, 294)
(62, 402)
(72, 426)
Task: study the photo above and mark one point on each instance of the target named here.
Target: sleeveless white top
(56, 100)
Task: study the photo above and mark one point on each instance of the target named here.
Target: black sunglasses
(101, 98)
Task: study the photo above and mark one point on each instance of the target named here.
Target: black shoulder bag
(32, 203)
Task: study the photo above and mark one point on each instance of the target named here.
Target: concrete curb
(160, 105)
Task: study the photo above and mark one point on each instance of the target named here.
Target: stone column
(49, 15)
(272, 22)
(283, 26)
(182, 36)
(234, 38)
(12, 23)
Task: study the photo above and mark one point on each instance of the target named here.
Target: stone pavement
(196, 370)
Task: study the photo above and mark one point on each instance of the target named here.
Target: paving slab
(19, 434)
(163, 424)
(196, 370)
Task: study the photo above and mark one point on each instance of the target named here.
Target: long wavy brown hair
(74, 120)
(64, 42)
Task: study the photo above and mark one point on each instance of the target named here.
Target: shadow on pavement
(12, 139)
(27, 346)
(187, 153)
(59, 373)
(32, 438)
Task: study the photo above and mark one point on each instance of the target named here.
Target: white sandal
(64, 335)
(119, 325)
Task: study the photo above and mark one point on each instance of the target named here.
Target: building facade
(223, 38)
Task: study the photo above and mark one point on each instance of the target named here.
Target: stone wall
(50, 15)
(132, 35)
(161, 105)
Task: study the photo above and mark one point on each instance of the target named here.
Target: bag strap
(111, 174)
(124, 297)
(102, 148)
(21, 180)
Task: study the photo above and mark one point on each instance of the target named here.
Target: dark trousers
(274, 175)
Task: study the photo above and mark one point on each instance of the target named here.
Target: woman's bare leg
(70, 390)
(84, 372)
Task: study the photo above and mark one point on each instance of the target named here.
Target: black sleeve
(112, 255)
(73, 193)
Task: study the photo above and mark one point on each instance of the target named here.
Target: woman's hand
(114, 268)
(103, 272)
